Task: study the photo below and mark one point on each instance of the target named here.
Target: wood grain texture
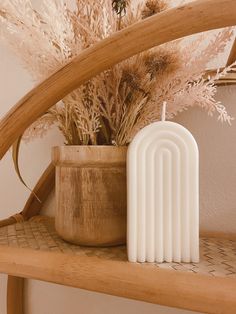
(15, 290)
(229, 79)
(42, 189)
(40, 254)
(217, 255)
(197, 16)
(140, 282)
(217, 234)
(7, 222)
(91, 194)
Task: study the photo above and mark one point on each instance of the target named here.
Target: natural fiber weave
(218, 256)
(18, 217)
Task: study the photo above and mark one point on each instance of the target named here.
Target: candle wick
(163, 114)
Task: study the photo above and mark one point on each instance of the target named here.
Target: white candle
(163, 206)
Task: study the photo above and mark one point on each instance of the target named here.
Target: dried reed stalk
(112, 107)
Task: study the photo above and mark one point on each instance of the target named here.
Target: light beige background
(217, 194)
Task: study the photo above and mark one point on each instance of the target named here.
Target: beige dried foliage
(112, 107)
(152, 7)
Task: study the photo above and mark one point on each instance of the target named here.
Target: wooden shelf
(33, 250)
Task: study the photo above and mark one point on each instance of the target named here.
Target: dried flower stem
(112, 107)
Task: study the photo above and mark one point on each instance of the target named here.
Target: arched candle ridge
(163, 206)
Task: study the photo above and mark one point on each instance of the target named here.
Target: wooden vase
(91, 194)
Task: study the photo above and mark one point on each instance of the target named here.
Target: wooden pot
(91, 194)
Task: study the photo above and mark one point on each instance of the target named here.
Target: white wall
(217, 145)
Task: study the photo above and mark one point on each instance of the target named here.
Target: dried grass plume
(112, 107)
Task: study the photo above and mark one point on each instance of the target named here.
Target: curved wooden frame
(169, 25)
(156, 30)
(15, 285)
(15, 295)
(32, 207)
(196, 292)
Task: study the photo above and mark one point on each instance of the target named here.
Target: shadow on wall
(217, 146)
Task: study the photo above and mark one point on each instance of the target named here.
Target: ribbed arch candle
(163, 195)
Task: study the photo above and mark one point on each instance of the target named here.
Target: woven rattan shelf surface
(218, 256)
(33, 250)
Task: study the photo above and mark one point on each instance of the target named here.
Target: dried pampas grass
(112, 107)
(152, 7)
